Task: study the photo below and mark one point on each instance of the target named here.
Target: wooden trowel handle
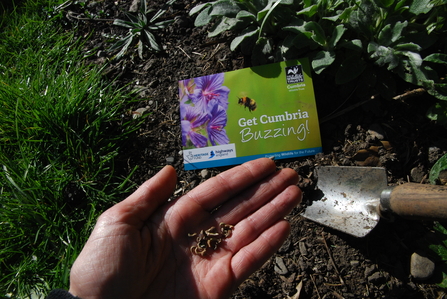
(416, 201)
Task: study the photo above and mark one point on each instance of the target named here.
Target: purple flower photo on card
(203, 111)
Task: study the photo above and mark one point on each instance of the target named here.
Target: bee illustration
(248, 103)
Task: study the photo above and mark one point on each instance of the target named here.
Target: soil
(315, 261)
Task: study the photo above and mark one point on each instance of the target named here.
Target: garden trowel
(353, 199)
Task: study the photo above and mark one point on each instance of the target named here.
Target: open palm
(140, 248)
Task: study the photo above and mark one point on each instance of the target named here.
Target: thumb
(141, 204)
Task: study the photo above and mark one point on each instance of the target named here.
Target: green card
(264, 111)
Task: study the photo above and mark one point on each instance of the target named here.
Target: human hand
(140, 247)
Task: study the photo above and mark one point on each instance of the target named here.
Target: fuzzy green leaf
(437, 168)
(225, 8)
(204, 17)
(308, 11)
(317, 33)
(354, 44)
(199, 7)
(322, 60)
(391, 33)
(243, 15)
(437, 58)
(408, 47)
(421, 6)
(336, 35)
(438, 90)
(222, 25)
(246, 33)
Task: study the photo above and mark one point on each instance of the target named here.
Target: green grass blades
(62, 128)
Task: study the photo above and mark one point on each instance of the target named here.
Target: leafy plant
(436, 244)
(365, 43)
(140, 30)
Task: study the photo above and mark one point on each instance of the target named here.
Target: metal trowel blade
(347, 198)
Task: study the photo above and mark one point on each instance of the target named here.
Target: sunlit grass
(61, 130)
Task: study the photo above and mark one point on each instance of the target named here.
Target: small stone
(417, 174)
(375, 277)
(280, 267)
(205, 173)
(376, 131)
(302, 247)
(421, 267)
(139, 112)
(285, 246)
(354, 263)
(370, 270)
(134, 6)
(169, 160)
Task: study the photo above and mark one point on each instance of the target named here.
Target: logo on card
(294, 74)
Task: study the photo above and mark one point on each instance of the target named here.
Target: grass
(62, 131)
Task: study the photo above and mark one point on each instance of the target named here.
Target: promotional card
(264, 111)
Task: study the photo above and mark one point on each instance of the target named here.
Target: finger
(251, 257)
(137, 208)
(250, 228)
(252, 199)
(217, 190)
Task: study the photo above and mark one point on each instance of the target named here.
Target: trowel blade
(347, 198)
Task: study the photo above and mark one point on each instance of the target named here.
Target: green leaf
(123, 44)
(223, 25)
(322, 60)
(246, 33)
(408, 47)
(204, 17)
(336, 35)
(243, 15)
(411, 73)
(437, 58)
(225, 8)
(302, 40)
(308, 11)
(296, 26)
(438, 90)
(354, 44)
(123, 23)
(437, 168)
(421, 6)
(267, 9)
(133, 19)
(391, 33)
(267, 16)
(383, 55)
(151, 39)
(199, 7)
(349, 69)
(317, 33)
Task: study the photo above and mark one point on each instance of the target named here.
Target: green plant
(436, 244)
(140, 30)
(364, 45)
(257, 23)
(438, 247)
(62, 133)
